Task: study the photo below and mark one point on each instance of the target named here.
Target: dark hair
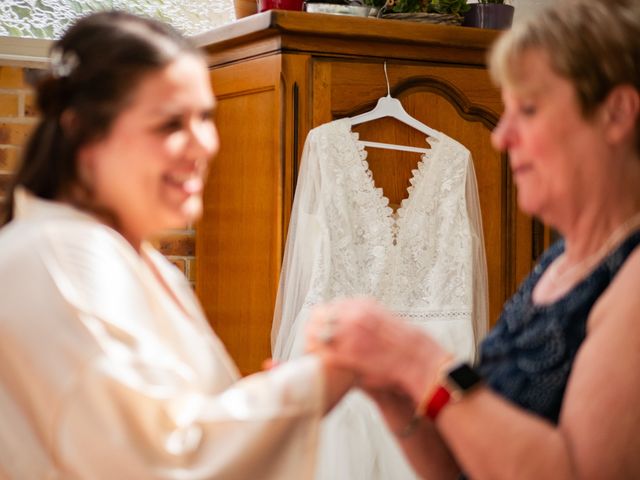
(95, 67)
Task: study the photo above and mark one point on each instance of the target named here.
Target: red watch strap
(438, 400)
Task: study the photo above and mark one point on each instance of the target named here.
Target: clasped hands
(365, 345)
(358, 335)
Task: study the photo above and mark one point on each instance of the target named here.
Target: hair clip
(63, 63)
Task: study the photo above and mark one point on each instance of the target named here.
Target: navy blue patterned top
(528, 356)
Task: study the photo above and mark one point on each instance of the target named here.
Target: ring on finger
(327, 333)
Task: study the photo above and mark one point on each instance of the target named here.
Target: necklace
(568, 276)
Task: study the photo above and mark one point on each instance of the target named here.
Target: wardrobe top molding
(282, 31)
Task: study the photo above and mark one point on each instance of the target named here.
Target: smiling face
(554, 151)
(149, 170)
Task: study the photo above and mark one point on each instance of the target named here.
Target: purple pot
(489, 15)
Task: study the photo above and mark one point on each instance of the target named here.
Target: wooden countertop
(281, 31)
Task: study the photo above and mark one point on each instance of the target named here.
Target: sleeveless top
(527, 357)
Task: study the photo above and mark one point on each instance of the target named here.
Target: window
(48, 19)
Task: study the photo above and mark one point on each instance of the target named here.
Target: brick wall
(18, 116)
(179, 247)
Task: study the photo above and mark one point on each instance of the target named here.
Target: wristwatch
(458, 381)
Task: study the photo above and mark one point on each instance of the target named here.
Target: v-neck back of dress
(417, 175)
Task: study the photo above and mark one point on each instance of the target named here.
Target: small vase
(264, 5)
(489, 15)
(244, 8)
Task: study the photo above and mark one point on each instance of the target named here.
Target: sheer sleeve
(480, 299)
(304, 239)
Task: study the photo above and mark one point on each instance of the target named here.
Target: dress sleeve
(151, 397)
(480, 299)
(304, 239)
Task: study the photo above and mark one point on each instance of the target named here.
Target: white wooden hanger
(391, 107)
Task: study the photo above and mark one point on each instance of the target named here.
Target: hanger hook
(386, 77)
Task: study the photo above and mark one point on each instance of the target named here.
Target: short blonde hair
(593, 43)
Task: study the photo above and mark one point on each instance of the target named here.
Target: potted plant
(497, 14)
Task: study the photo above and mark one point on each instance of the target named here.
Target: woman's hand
(348, 333)
(387, 353)
(338, 380)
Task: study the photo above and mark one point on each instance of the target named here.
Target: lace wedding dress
(425, 262)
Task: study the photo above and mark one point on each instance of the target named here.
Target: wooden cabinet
(278, 74)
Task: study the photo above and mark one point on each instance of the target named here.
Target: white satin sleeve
(117, 385)
(115, 423)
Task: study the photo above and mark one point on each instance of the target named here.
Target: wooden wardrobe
(278, 74)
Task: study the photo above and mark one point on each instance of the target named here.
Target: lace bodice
(405, 258)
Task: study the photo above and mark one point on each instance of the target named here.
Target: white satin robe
(104, 376)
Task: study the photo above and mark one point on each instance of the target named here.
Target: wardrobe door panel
(239, 240)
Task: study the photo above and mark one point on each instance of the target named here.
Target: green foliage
(428, 6)
(375, 3)
(450, 6)
(491, 1)
(407, 6)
